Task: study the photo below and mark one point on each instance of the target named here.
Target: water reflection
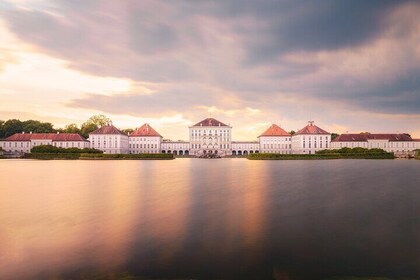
(165, 196)
(209, 219)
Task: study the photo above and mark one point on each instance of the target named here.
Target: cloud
(292, 60)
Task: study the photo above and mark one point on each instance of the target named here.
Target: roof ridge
(108, 129)
(145, 130)
(210, 122)
(311, 128)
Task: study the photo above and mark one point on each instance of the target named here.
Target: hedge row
(356, 150)
(264, 156)
(51, 156)
(369, 156)
(126, 156)
(95, 156)
(49, 149)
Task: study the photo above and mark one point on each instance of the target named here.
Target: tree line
(12, 126)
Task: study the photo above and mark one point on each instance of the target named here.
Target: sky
(350, 66)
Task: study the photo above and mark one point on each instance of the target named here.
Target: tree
(334, 135)
(292, 132)
(88, 128)
(93, 123)
(128, 130)
(98, 120)
(2, 131)
(71, 128)
(12, 126)
(37, 126)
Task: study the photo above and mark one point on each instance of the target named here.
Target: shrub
(49, 149)
(356, 150)
(417, 156)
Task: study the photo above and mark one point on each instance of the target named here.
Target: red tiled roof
(275, 130)
(45, 136)
(108, 129)
(210, 122)
(145, 130)
(311, 129)
(367, 136)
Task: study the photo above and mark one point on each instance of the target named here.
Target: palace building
(275, 140)
(24, 142)
(210, 136)
(310, 139)
(110, 140)
(395, 143)
(213, 137)
(145, 140)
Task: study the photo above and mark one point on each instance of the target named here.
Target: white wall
(110, 143)
(276, 144)
(145, 144)
(176, 147)
(245, 147)
(16, 146)
(310, 143)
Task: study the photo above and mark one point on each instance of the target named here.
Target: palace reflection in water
(206, 219)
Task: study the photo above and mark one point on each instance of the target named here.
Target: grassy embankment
(344, 153)
(48, 152)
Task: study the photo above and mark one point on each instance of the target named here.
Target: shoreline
(162, 156)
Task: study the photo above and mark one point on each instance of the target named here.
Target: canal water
(209, 219)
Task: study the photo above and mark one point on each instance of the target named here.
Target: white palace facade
(211, 136)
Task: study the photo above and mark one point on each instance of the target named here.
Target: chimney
(30, 132)
(58, 132)
(23, 132)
